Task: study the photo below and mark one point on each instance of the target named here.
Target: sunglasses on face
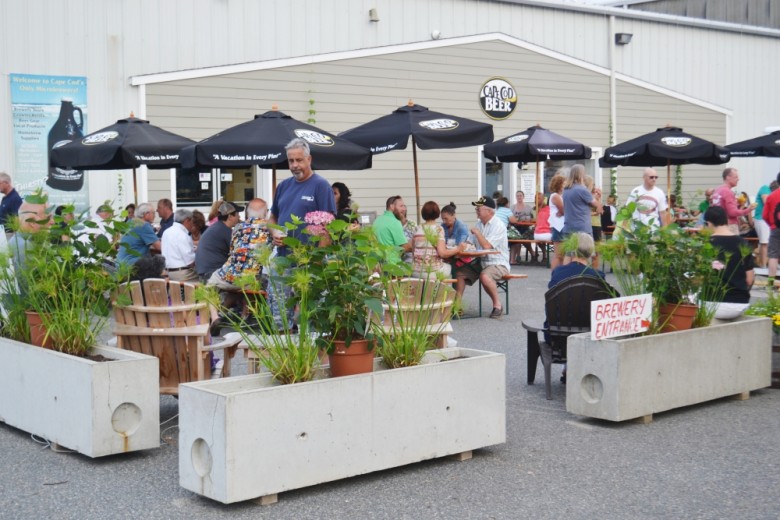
(652, 177)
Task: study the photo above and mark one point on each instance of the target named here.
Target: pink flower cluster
(317, 220)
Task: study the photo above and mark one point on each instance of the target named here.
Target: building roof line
(165, 77)
(636, 14)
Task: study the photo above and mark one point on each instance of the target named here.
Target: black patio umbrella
(665, 146)
(261, 142)
(532, 144)
(128, 143)
(762, 146)
(429, 130)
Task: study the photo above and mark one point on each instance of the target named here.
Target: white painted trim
(142, 173)
(172, 173)
(408, 47)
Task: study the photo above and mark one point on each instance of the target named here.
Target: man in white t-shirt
(651, 206)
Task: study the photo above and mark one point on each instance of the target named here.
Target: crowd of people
(217, 249)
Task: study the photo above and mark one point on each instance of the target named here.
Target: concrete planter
(625, 379)
(245, 437)
(94, 408)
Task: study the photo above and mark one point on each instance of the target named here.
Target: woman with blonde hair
(556, 218)
(578, 202)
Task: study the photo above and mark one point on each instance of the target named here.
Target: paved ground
(716, 460)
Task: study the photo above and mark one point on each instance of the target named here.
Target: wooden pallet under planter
(621, 379)
(94, 408)
(246, 438)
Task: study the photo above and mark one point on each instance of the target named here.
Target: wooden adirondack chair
(414, 299)
(163, 320)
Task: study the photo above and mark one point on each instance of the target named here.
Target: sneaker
(497, 312)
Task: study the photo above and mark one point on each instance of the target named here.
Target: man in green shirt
(388, 228)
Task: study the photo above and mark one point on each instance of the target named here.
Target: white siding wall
(111, 40)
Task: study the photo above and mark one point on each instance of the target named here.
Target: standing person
(724, 197)
(556, 217)
(489, 233)
(179, 249)
(771, 215)
(165, 210)
(304, 192)
(761, 226)
(388, 227)
(345, 208)
(430, 248)
(455, 231)
(578, 202)
(214, 244)
(595, 217)
(738, 273)
(141, 239)
(9, 206)
(651, 206)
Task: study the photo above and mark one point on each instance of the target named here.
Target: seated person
(581, 249)
(247, 237)
(489, 233)
(502, 211)
(430, 249)
(455, 231)
(739, 266)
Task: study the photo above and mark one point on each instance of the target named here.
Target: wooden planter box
(94, 408)
(624, 379)
(246, 437)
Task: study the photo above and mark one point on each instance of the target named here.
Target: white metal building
(198, 66)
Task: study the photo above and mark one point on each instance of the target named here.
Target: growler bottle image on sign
(65, 130)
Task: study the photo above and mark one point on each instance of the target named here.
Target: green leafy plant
(769, 307)
(345, 264)
(676, 266)
(416, 312)
(60, 271)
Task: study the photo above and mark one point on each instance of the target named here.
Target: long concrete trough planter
(621, 379)
(94, 408)
(246, 437)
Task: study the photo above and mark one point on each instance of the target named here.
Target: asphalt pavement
(719, 459)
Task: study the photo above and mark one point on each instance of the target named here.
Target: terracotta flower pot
(676, 316)
(37, 330)
(355, 359)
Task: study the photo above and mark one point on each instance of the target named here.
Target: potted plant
(346, 264)
(92, 399)
(770, 308)
(679, 268)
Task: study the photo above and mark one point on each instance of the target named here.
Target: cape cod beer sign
(497, 98)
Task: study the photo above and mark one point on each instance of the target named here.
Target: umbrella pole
(669, 185)
(538, 186)
(273, 180)
(416, 177)
(135, 188)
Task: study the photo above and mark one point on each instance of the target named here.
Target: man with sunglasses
(651, 206)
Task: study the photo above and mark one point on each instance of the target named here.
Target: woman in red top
(542, 230)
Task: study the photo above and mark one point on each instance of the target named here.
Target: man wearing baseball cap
(489, 233)
(214, 245)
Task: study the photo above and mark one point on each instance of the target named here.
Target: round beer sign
(497, 98)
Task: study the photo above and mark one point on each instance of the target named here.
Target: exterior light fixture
(373, 14)
(623, 38)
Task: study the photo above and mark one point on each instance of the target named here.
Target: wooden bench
(546, 247)
(502, 285)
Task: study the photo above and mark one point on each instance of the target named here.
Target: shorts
(774, 243)
(557, 236)
(543, 236)
(596, 232)
(762, 230)
(494, 272)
